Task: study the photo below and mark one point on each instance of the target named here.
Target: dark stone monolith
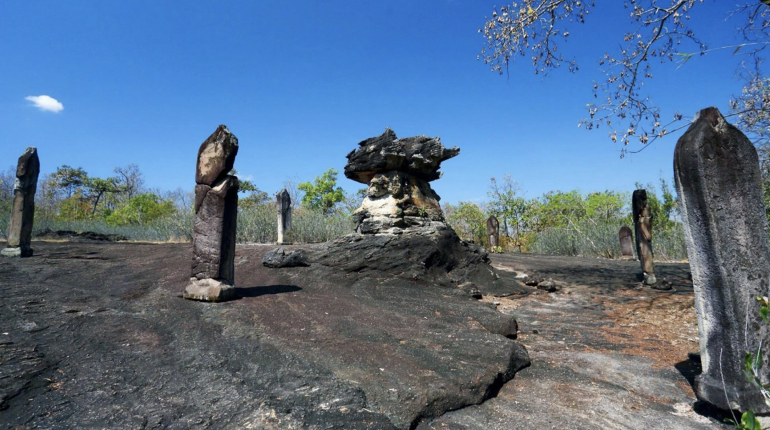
(626, 242)
(717, 175)
(283, 204)
(493, 230)
(216, 208)
(643, 232)
(23, 209)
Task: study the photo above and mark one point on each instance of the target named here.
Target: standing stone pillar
(626, 242)
(716, 170)
(643, 229)
(216, 208)
(283, 204)
(23, 210)
(493, 230)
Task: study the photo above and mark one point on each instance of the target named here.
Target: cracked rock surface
(96, 334)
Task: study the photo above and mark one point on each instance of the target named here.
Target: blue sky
(301, 83)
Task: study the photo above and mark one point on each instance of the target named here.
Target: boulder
(433, 255)
(216, 156)
(419, 156)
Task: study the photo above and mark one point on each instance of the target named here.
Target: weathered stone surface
(717, 175)
(626, 242)
(278, 258)
(419, 156)
(493, 231)
(210, 290)
(397, 200)
(74, 236)
(643, 229)
(23, 209)
(216, 156)
(214, 232)
(283, 205)
(533, 279)
(216, 211)
(432, 254)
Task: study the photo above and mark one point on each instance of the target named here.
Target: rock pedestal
(398, 172)
(643, 229)
(283, 204)
(23, 210)
(626, 242)
(717, 175)
(400, 228)
(216, 208)
(493, 232)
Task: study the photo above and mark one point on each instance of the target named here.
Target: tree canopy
(657, 30)
(323, 193)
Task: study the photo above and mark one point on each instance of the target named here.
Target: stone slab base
(16, 252)
(284, 243)
(209, 290)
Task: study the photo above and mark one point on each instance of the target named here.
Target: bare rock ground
(95, 334)
(607, 353)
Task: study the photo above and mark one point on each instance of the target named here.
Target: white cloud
(46, 103)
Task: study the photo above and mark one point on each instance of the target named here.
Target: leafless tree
(657, 30)
(131, 180)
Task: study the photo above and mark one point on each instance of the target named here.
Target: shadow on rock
(265, 290)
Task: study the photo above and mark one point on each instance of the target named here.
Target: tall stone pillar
(493, 232)
(643, 232)
(216, 210)
(283, 205)
(716, 170)
(23, 210)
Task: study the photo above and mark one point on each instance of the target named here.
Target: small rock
(278, 258)
(548, 285)
(533, 279)
(663, 285)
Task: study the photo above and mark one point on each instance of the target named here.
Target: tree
(559, 209)
(70, 180)
(7, 180)
(98, 187)
(607, 206)
(659, 31)
(514, 211)
(468, 220)
(130, 180)
(142, 209)
(323, 194)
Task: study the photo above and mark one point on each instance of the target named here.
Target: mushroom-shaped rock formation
(400, 228)
(397, 172)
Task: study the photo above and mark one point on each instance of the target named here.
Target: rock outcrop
(216, 209)
(400, 228)
(23, 209)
